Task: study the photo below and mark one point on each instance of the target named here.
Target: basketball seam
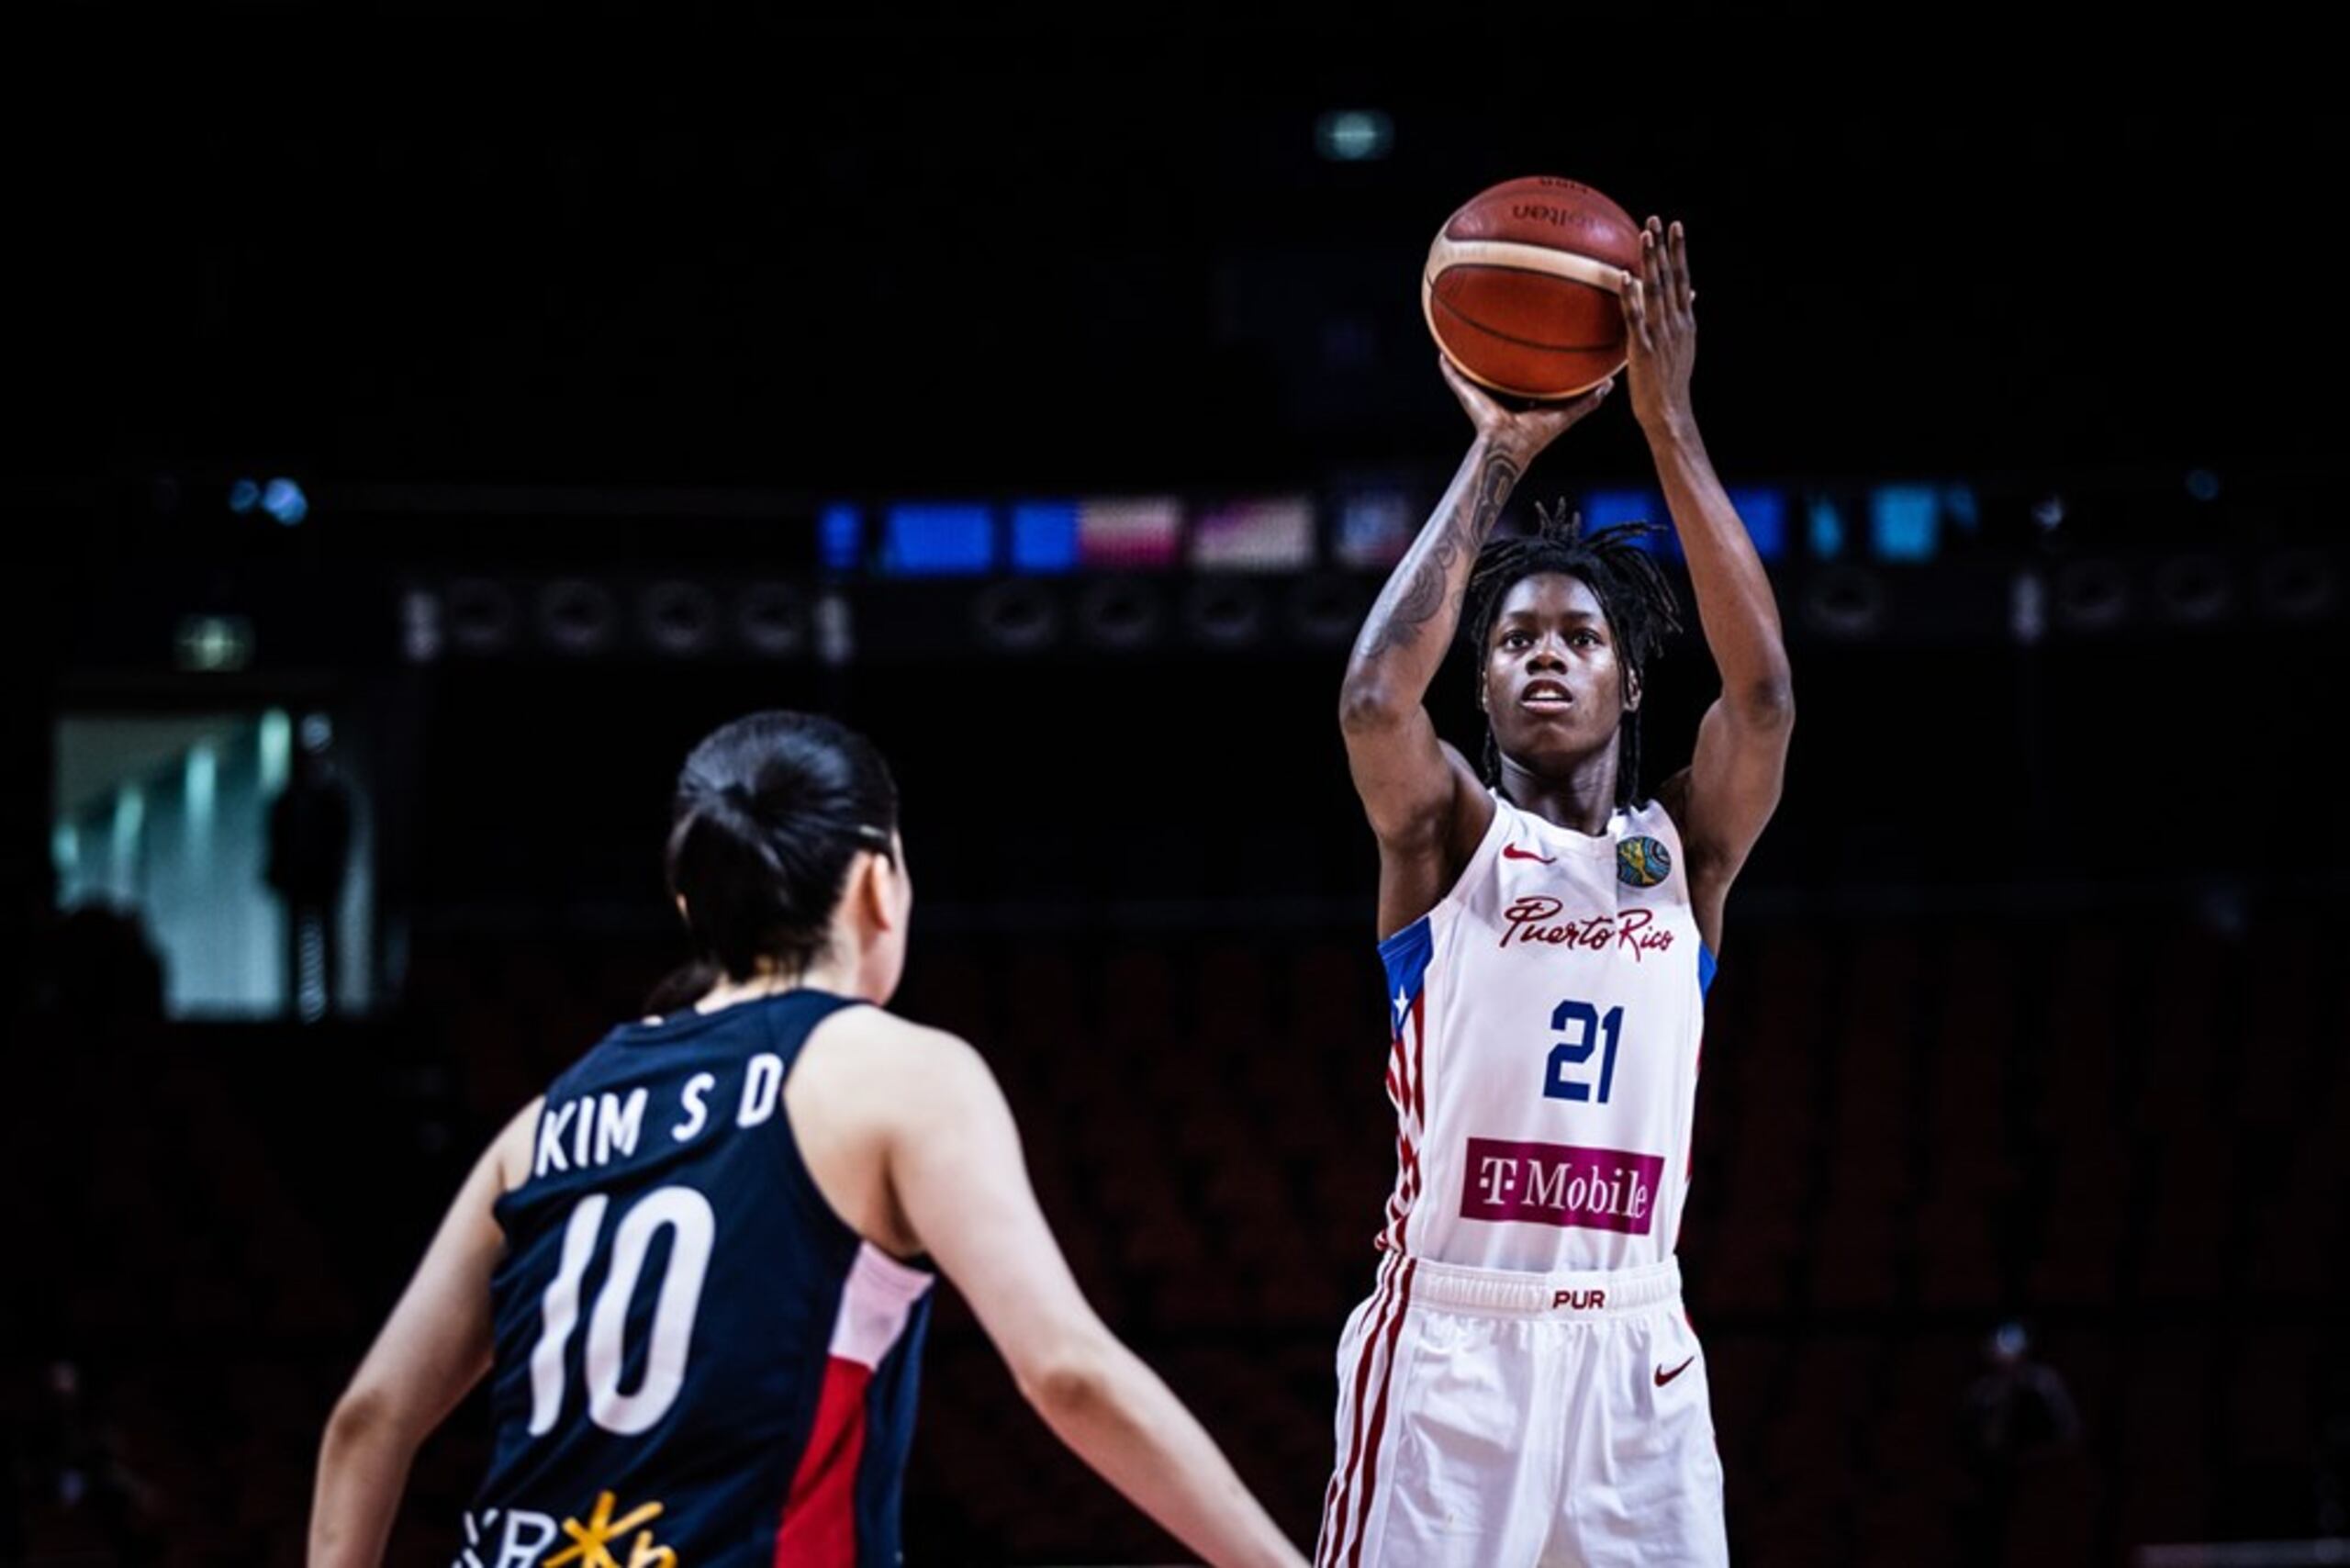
(1468, 320)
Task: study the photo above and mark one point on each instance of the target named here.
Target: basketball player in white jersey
(1523, 1386)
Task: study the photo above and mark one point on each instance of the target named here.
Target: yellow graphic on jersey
(1642, 862)
(591, 1544)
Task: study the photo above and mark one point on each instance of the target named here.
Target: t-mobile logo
(1550, 1183)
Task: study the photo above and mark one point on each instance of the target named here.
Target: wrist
(1514, 450)
(1673, 427)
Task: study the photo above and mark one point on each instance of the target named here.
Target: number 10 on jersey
(686, 1213)
(1589, 1031)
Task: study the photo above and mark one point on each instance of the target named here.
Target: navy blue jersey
(698, 1363)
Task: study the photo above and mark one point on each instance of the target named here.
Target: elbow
(1768, 704)
(360, 1413)
(1365, 704)
(1067, 1383)
(366, 1413)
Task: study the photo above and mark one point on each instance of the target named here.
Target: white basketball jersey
(1547, 1018)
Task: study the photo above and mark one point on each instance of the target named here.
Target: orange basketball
(1521, 288)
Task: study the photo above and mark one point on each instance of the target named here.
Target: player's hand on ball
(1661, 328)
(1523, 432)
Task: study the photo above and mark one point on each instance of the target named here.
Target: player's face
(1554, 691)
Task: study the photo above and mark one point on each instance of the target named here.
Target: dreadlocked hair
(1633, 593)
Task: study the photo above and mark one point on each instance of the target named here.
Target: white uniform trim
(878, 1299)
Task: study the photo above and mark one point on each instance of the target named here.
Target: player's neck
(1582, 801)
(769, 981)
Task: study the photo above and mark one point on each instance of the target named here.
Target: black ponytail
(769, 811)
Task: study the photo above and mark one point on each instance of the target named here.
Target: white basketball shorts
(1511, 1421)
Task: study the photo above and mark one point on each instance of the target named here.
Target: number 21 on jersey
(1592, 1031)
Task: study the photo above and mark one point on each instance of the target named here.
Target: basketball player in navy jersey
(1522, 1386)
(696, 1271)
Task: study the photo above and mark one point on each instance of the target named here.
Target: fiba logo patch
(1642, 862)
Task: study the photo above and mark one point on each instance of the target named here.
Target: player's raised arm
(1424, 801)
(1732, 783)
(957, 1175)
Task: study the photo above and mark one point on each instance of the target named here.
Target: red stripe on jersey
(1420, 1059)
(1411, 1114)
(1407, 1191)
(1407, 1057)
(1334, 1500)
(819, 1527)
(1378, 1421)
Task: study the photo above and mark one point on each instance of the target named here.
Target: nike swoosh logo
(1512, 852)
(1663, 1377)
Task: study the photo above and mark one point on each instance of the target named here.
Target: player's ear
(1631, 690)
(876, 875)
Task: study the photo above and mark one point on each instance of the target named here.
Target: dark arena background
(1051, 411)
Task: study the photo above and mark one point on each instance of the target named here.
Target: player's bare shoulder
(511, 1149)
(870, 1062)
(1413, 877)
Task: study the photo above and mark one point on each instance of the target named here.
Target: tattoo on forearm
(1431, 588)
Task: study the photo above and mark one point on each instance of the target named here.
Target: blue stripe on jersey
(1406, 956)
(1705, 968)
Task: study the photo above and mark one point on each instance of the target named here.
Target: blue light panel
(840, 537)
(1603, 509)
(938, 539)
(1044, 537)
(1826, 528)
(1905, 522)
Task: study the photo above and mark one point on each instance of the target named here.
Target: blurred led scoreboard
(1362, 529)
